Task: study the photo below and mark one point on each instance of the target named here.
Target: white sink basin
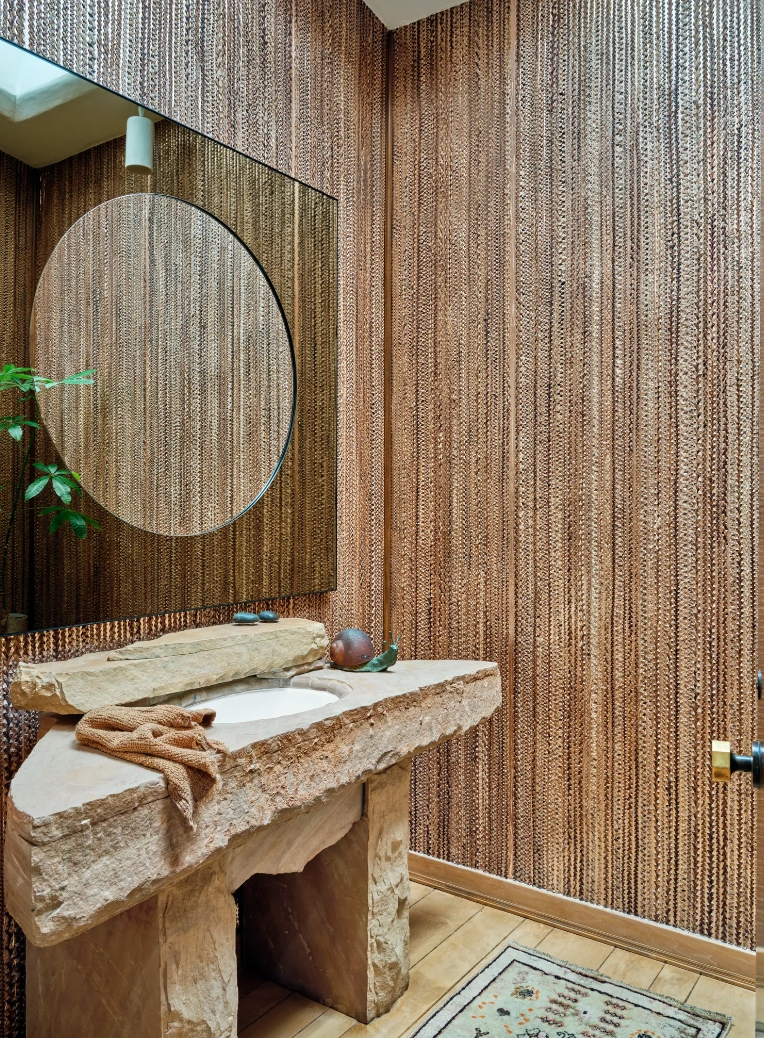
(262, 703)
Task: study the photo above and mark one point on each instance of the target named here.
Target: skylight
(30, 85)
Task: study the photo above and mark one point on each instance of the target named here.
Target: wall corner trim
(387, 354)
(679, 947)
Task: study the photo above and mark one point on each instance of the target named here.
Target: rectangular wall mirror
(168, 347)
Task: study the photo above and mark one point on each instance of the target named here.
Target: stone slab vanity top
(89, 835)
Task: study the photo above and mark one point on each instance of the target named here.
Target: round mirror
(191, 409)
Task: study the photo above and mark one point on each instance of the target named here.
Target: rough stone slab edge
(50, 829)
(66, 901)
(72, 687)
(201, 639)
(268, 753)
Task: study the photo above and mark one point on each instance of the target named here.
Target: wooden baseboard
(679, 947)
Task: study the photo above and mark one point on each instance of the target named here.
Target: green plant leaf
(58, 519)
(36, 488)
(14, 377)
(81, 378)
(78, 524)
(27, 381)
(62, 489)
(14, 425)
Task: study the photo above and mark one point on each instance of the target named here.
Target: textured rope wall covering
(636, 513)
(635, 357)
(17, 731)
(296, 84)
(452, 406)
(300, 85)
(17, 195)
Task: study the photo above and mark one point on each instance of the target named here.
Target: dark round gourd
(351, 648)
(268, 616)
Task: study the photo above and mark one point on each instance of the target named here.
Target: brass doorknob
(721, 761)
(724, 763)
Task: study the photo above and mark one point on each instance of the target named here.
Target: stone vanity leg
(339, 930)
(165, 968)
(197, 927)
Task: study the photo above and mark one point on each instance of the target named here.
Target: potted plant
(22, 428)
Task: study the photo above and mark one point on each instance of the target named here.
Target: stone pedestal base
(165, 968)
(339, 930)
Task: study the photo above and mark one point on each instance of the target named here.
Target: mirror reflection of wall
(190, 410)
(182, 301)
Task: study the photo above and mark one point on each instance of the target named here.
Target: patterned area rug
(527, 994)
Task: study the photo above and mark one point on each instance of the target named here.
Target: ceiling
(394, 13)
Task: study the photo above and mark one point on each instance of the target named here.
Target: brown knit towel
(166, 738)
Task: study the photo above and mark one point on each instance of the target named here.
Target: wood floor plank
(434, 918)
(472, 972)
(435, 974)
(260, 1001)
(631, 968)
(286, 1019)
(575, 949)
(330, 1024)
(417, 892)
(738, 1003)
(674, 982)
(530, 933)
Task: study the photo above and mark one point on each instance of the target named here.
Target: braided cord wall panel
(637, 467)
(453, 401)
(17, 236)
(299, 85)
(17, 731)
(633, 365)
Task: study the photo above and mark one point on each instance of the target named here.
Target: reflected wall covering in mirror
(203, 300)
(193, 390)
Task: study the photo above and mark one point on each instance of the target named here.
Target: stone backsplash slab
(170, 665)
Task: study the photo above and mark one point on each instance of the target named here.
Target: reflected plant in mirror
(26, 385)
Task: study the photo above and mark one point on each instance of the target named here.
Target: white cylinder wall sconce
(139, 144)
